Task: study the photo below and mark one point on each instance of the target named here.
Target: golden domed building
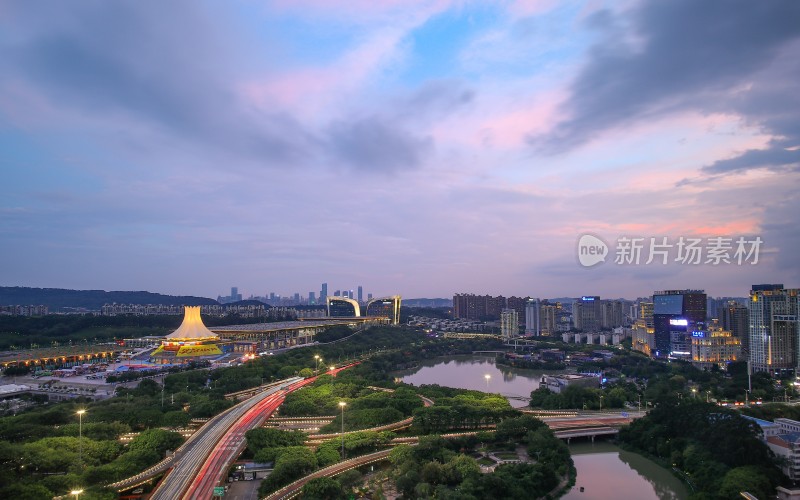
(190, 342)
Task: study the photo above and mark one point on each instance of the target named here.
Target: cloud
(675, 56)
(374, 144)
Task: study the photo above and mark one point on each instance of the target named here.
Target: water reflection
(607, 472)
(468, 372)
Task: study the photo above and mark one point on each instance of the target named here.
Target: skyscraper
(323, 294)
(676, 314)
(774, 328)
(532, 313)
(311, 299)
(509, 324)
(735, 318)
(360, 294)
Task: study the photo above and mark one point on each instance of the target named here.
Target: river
(605, 471)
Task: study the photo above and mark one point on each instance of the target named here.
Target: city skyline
(420, 148)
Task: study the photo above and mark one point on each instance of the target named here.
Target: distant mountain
(59, 299)
(428, 302)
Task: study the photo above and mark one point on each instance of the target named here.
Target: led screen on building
(667, 304)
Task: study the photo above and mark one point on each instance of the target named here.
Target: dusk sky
(412, 147)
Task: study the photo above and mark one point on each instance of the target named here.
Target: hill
(59, 299)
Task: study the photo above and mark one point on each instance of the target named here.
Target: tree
(748, 478)
(323, 488)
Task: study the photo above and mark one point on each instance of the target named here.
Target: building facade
(774, 329)
(676, 314)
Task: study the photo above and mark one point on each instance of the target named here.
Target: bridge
(590, 432)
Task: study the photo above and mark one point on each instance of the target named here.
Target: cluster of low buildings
(24, 310)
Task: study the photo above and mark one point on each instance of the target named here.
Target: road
(214, 469)
(201, 445)
(204, 466)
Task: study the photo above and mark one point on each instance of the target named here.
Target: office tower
(235, 295)
(296, 298)
(509, 324)
(337, 293)
(532, 326)
(676, 314)
(360, 294)
(548, 317)
(774, 329)
(735, 318)
(612, 314)
(369, 296)
(323, 294)
(311, 298)
(587, 313)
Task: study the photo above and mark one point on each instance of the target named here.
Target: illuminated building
(343, 307)
(735, 318)
(715, 345)
(386, 307)
(509, 324)
(774, 328)
(676, 314)
(191, 340)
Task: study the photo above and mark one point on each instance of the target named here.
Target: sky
(416, 147)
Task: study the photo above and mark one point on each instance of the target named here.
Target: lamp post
(601, 403)
(707, 393)
(77, 493)
(487, 377)
(333, 367)
(694, 392)
(80, 440)
(342, 404)
(316, 359)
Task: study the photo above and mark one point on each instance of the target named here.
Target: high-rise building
(774, 329)
(323, 293)
(587, 313)
(612, 314)
(369, 297)
(338, 293)
(646, 313)
(676, 314)
(532, 313)
(360, 294)
(549, 318)
(735, 318)
(311, 299)
(297, 298)
(509, 324)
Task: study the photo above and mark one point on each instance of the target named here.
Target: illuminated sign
(699, 334)
(587, 298)
(679, 322)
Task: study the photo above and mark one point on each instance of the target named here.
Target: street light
(333, 367)
(694, 392)
(77, 493)
(317, 359)
(80, 440)
(342, 404)
(601, 403)
(487, 377)
(707, 393)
